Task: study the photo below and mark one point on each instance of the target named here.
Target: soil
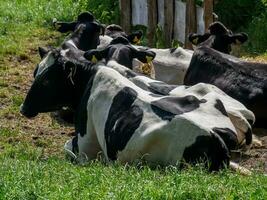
(254, 158)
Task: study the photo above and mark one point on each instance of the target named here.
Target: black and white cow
(125, 122)
(244, 81)
(219, 38)
(111, 31)
(86, 32)
(171, 64)
(115, 30)
(123, 52)
(240, 116)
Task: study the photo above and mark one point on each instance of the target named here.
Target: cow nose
(25, 111)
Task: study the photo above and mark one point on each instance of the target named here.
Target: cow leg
(83, 148)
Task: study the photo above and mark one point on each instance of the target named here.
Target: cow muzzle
(25, 111)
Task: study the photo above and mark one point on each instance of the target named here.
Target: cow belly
(162, 143)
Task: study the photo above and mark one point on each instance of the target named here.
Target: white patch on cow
(171, 67)
(104, 41)
(48, 61)
(72, 44)
(64, 52)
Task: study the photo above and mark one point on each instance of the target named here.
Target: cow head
(52, 87)
(85, 30)
(115, 30)
(121, 51)
(218, 38)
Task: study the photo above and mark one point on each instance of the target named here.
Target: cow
(111, 31)
(123, 52)
(244, 81)
(171, 64)
(115, 30)
(241, 117)
(86, 29)
(125, 122)
(218, 37)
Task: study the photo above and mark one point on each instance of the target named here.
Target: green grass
(57, 179)
(32, 163)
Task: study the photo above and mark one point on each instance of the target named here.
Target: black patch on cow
(161, 88)
(81, 114)
(123, 119)
(219, 106)
(228, 136)
(120, 40)
(75, 148)
(154, 95)
(251, 122)
(130, 74)
(248, 136)
(166, 108)
(172, 50)
(210, 149)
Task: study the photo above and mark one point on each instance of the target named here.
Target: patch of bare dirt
(255, 158)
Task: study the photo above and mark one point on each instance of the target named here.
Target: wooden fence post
(168, 21)
(191, 22)
(208, 13)
(152, 15)
(126, 15)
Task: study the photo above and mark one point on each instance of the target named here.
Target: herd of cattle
(199, 106)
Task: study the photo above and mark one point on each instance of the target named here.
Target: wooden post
(208, 13)
(125, 15)
(152, 15)
(168, 21)
(190, 21)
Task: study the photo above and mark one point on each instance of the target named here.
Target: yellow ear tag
(136, 40)
(146, 69)
(94, 59)
(195, 41)
(149, 59)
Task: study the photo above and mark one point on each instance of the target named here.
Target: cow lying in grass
(124, 121)
(108, 103)
(241, 117)
(244, 81)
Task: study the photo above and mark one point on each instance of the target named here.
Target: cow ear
(196, 39)
(239, 38)
(42, 51)
(95, 55)
(135, 37)
(145, 56)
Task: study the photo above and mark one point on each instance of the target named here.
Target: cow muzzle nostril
(26, 112)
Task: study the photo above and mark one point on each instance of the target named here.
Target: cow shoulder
(123, 119)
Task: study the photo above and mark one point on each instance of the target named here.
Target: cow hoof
(68, 151)
(239, 169)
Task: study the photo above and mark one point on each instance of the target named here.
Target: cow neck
(83, 94)
(82, 79)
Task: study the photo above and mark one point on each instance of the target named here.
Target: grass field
(32, 163)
